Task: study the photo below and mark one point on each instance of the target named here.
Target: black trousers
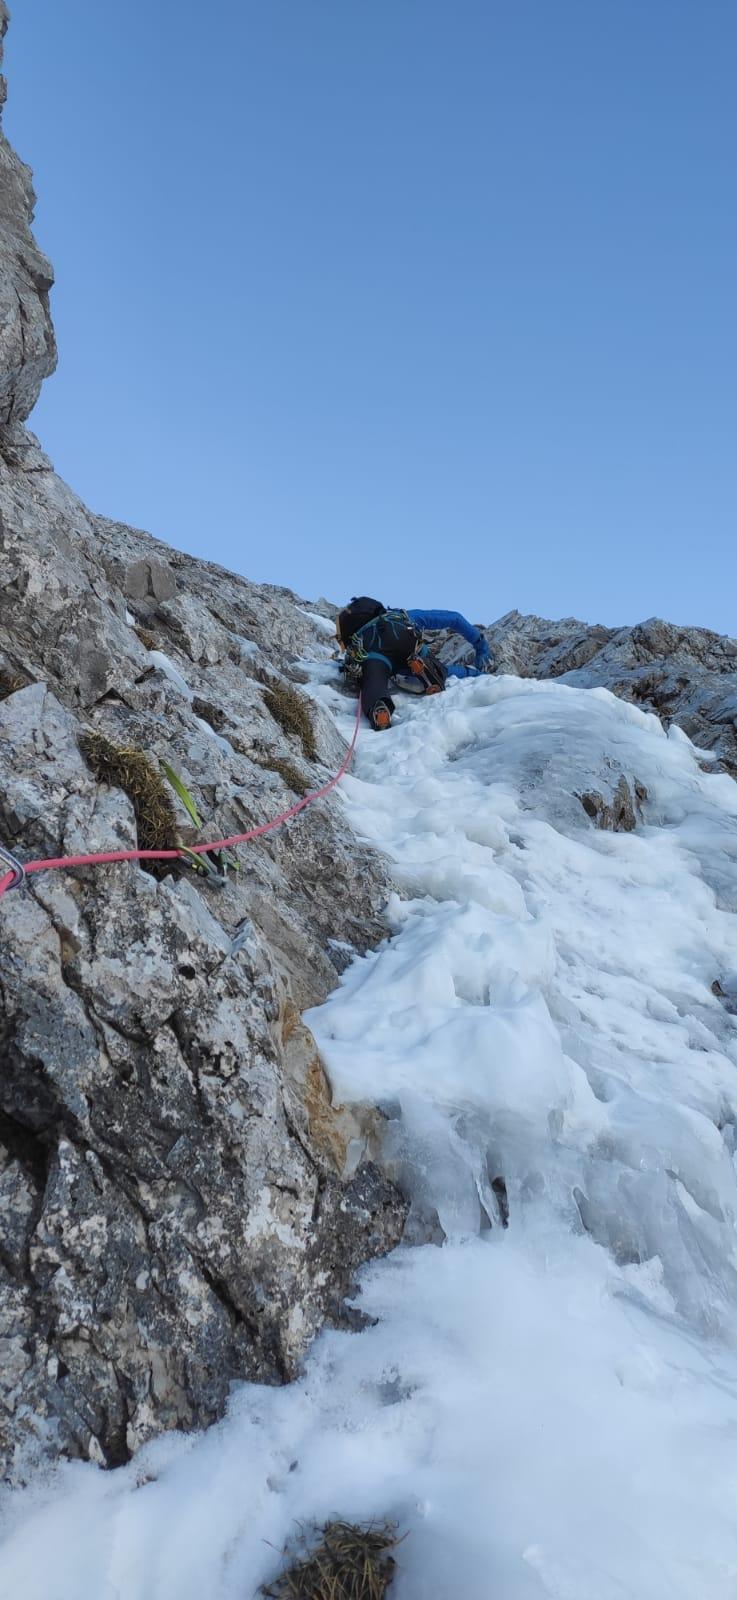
(375, 686)
(394, 641)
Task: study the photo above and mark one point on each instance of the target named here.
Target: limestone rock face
(180, 1203)
(177, 1207)
(685, 675)
(27, 344)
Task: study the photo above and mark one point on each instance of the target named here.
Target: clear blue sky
(433, 299)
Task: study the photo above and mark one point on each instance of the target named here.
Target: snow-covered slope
(687, 675)
(549, 1408)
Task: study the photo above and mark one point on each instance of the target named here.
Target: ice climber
(381, 646)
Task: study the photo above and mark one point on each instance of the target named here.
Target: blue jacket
(446, 619)
(457, 624)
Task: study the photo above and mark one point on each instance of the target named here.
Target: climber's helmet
(360, 610)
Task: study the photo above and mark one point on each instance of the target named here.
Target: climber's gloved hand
(483, 662)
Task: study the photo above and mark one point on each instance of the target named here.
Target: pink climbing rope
(20, 870)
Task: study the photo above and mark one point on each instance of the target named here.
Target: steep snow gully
(549, 1408)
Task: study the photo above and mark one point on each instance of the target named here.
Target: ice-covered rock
(547, 1403)
(688, 676)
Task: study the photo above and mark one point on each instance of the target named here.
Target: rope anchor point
(11, 862)
(15, 872)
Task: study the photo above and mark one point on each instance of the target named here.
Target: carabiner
(15, 866)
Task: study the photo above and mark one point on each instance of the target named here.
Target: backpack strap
(376, 655)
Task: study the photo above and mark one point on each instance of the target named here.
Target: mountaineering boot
(429, 671)
(381, 716)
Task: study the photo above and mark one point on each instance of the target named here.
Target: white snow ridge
(547, 1408)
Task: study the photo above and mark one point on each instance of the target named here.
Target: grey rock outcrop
(177, 1203)
(619, 813)
(27, 343)
(725, 989)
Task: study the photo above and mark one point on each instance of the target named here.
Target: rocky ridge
(688, 676)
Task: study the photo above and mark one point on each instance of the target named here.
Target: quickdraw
(14, 867)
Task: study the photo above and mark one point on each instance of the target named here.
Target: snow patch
(247, 646)
(171, 672)
(323, 624)
(219, 738)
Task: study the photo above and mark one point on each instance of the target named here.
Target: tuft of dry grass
(131, 770)
(147, 639)
(10, 682)
(350, 1562)
(290, 775)
(290, 710)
